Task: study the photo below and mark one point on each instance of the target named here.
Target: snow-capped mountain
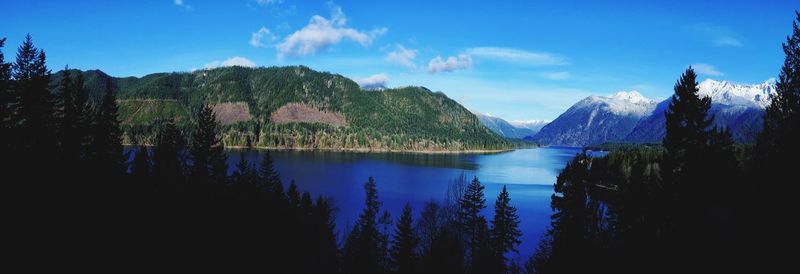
(503, 127)
(597, 119)
(723, 92)
(534, 125)
(737, 107)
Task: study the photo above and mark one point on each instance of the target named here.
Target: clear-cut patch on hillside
(302, 113)
(232, 112)
(143, 111)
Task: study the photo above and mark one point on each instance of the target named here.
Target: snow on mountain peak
(531, 124)
(622, 103)
(724, 92)
(631, 96)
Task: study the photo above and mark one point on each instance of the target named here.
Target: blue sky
(517, 60)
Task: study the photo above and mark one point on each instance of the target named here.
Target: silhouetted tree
(776, 160)
(505, 231)
(363, 251)
(75, 121)
(293, 195)
(324, 251)
(35, 111)
(269, 179)
(106, 141)
(404, 247)
(441, 242)
(168, 159)
(687, 125)
(6, 100)
(209, 163)
(473, 223)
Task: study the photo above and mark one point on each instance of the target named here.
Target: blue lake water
(529, 175)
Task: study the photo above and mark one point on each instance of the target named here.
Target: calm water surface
(529, 175)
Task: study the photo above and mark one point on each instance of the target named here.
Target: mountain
(296, 107)
(597, 119)
(534, 125)
(507, 129)
(737, 107)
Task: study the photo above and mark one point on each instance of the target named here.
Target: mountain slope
(318, 110)
(737, 107)
(597, 119)
(533, 125)
(503, 127)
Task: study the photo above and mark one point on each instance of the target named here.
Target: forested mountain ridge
(297, 107)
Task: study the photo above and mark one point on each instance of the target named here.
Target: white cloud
(230, 62)
(268, 2)
(718, 36)
(728, 42)
(706, 69)
(372, 82)
(321, 33)
(403, 56)
(532, 58)
(438, 64)
(258, 37)
(180, 3)
(560, 75)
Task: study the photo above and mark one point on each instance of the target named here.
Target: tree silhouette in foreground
(505, 231)
(404, 247)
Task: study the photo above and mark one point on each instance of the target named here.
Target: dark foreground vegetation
(697, 204)
(79, 199)
(74, 197)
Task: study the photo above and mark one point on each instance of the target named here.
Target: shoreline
(368, 150)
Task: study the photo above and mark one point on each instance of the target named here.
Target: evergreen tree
(777, 143)
(404, 248)
(37, 125)
(505, 231)
(168, 159)
(106, 143)
(472, 223)
(324, 237)
(75, 121)
(269, 179)
(245, 173)
(363, 251)
(293, 195)
(5, 100)
(776, 159)
(209, 163)
(687, 124)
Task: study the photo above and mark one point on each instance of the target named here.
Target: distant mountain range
(514, 129)
(630, 117)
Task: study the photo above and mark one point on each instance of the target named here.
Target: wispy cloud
(258, 38)
(707, 69)
(374, 81)
(718, 36)
(402, 56)
(321, 33)
(268, 2)
(230, 62)
(439, 64)
(181, 4)
(559, 75)
(512, 55)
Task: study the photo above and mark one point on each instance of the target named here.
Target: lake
(529, 175)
